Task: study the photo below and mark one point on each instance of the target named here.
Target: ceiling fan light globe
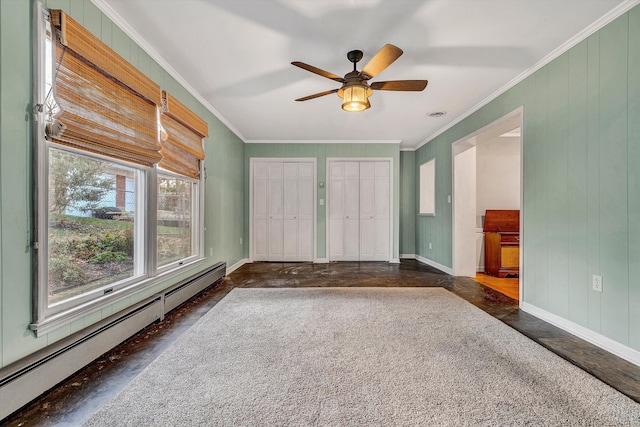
(354, 107)
(355, 98)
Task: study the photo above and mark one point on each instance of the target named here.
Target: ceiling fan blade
(401, 85)
(318, 71)
(318, 95)
(381, 60)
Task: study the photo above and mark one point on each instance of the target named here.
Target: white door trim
(517, 112)
(314, 160)
(328, 162)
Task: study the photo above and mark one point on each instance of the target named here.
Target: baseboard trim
(408, 256)
(237, 265)
(434, 264)
(627, 353)
(25, 379)
(394, 261)
(321, 261)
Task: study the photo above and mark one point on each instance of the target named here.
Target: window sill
(63, 318)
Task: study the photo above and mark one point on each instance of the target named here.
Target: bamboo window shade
(182, 145)
(106, 105)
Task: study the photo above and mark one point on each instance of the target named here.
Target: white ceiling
(236, 55)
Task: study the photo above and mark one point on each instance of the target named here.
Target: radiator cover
(28, 378)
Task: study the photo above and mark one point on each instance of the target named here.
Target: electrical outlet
(241, 240)
(449, 198)
(430, 246)
(210, 251)
(321, 202)
(597, 283)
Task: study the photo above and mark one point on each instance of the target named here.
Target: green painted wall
(408, 197)
(321, 152)
(224, 188)
(435, 229)
(2, 112)
(581, 182)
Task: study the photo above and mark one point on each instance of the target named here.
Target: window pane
(91, 228)
(428, 188)
(175, 220)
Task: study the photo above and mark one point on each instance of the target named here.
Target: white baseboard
(627, 353)
(326, 261)
(25, 379)
(408, 256)
(237, 265)
(434, 264)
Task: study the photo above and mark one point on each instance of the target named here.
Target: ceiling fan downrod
(355, 56)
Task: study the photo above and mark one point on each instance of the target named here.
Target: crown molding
(137, 38)
(323, 141)
(614, 13)
(607, 18)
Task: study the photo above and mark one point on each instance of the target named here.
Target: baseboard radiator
(28, 378)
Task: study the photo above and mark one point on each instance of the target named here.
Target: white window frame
(427, 188)
(141, 268)
(47, 318)
(195, 227)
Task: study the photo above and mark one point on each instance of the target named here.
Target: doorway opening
(487, 205)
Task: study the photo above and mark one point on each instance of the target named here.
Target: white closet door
(276, 232)
(367, 211)
(351, 211)
(283, 210)
(382, 212)
(359, 210)
(336, 211)
(306, 202)
(260, 212)
(290, 211)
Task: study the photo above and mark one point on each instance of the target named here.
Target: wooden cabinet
(502, 243)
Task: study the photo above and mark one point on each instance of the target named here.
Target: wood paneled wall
(581, 181)
(321, 152)
(224, 198)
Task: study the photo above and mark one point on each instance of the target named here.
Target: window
(104, 134)
(176, 211)
(92, 220)
(428, 188)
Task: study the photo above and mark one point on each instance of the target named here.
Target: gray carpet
(360, 357)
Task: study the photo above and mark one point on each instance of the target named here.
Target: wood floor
(75, 399)
(508, 286)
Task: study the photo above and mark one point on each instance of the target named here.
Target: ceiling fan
(356, 90)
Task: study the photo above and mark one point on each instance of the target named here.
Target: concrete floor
(74, 400)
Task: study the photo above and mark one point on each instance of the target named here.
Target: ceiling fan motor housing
(354, 78)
